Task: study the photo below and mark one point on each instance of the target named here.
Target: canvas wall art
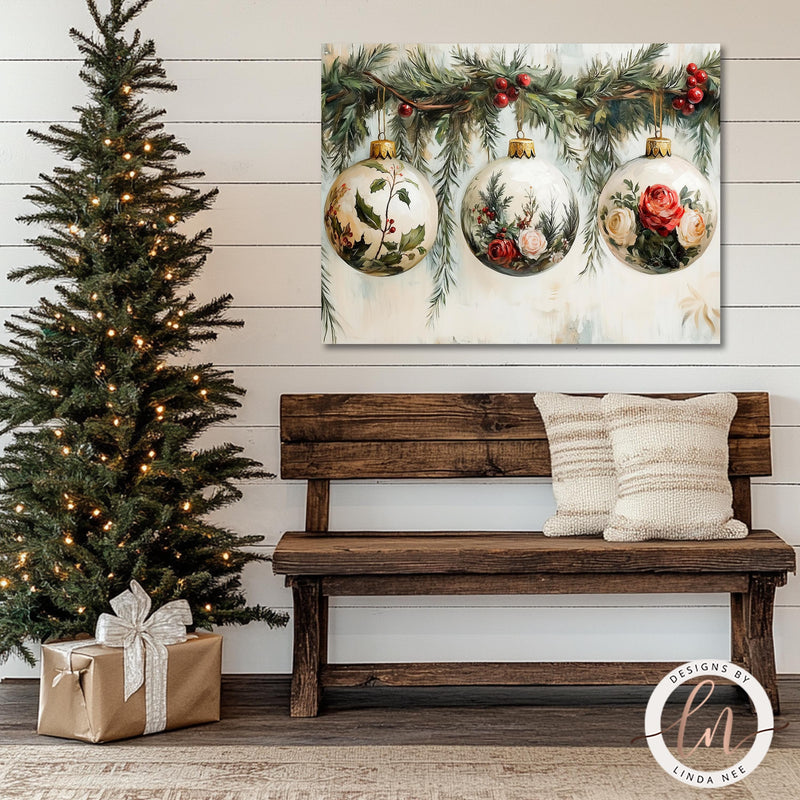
(521, 194)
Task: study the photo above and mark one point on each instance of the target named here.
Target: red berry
(491, 215)
(501, 84)
(480, 220)
(678, 103)
(392, 229)
(701, 75)
(688, 109)
(523, 80)
(485, 209)
(405, 110)
(695, 95)
(513, 93)
(691, 68)
(500, 100)
(691, 81)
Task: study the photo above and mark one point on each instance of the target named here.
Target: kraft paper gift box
(82, 689)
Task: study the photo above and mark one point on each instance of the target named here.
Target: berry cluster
(695, 78)
(508, 92)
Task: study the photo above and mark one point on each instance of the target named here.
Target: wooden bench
(431, 436)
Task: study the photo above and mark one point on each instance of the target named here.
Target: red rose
(660, 209)
(502, 251)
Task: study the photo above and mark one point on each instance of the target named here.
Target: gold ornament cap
(658, 147)
(382, 148)
(521, 148)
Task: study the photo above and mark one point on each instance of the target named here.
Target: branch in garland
(330, 322)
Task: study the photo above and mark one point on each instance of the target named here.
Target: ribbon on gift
(144, 641)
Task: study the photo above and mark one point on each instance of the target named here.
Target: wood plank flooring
(256, 712)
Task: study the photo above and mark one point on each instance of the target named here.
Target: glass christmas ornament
(381, 215)
(658, 213)
(519, 214)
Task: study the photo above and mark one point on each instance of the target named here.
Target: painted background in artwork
(589, 110)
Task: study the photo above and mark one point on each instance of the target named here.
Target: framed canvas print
(521, 194)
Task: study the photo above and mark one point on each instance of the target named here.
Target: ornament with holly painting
(381, 215)
(519, 214)
(658, 213)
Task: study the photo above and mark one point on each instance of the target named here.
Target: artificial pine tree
(109, 484)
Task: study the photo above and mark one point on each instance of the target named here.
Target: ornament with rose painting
(657, 214)
(519, 214)
(381, 215)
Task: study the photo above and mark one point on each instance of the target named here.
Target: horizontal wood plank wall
(247, 106)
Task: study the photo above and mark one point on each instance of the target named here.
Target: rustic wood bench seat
(341, 437)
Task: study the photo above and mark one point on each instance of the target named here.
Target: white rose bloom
(691, 228)
(531, 242)
(621, 226)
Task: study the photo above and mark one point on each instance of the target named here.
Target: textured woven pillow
(582, 463)
(671, 460)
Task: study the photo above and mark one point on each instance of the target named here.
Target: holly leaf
(366, 213)
(390, 245)
(412, 239)
(375, 164)
(377, 184)
(391, 259)
(403, 195)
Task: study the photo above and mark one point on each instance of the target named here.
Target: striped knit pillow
(671, 460)
(582, 463)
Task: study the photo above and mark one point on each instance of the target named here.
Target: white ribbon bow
(144, 641)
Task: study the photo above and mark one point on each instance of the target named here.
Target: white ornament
(381, 215)
(658, 213)
(519, 214)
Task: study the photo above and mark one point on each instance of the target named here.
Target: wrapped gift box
(82, 689)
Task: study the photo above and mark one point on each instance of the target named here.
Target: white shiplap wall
(248, 107)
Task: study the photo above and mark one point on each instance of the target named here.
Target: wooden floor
(255, 712)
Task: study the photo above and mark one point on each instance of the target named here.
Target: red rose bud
(701, 76)
(502, 251)
(523, 80)
(695, 95)
(501, 84)
(660, 209)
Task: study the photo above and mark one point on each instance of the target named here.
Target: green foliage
(104, 480)
(589, 116)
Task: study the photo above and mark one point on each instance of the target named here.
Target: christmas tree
(105, 482)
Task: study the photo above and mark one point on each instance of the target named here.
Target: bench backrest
(347, 436)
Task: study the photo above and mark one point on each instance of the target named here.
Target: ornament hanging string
(658, 114)
(382, 112)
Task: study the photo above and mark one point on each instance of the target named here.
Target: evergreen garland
(589, 116)
(106, 483)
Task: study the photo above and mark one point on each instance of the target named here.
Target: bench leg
(760, 605)
(739, 650)
(309, 635)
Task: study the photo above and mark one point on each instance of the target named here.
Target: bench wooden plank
(540, 583)
(444, 417)
(516, 458)
(504, 673)
(494, 552)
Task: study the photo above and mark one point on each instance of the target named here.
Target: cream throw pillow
(582, 463)
(671, 460)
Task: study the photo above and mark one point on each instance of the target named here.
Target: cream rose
(531, 242)
(621, 226)
(691, 228)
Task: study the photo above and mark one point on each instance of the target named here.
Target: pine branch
(330, 323)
